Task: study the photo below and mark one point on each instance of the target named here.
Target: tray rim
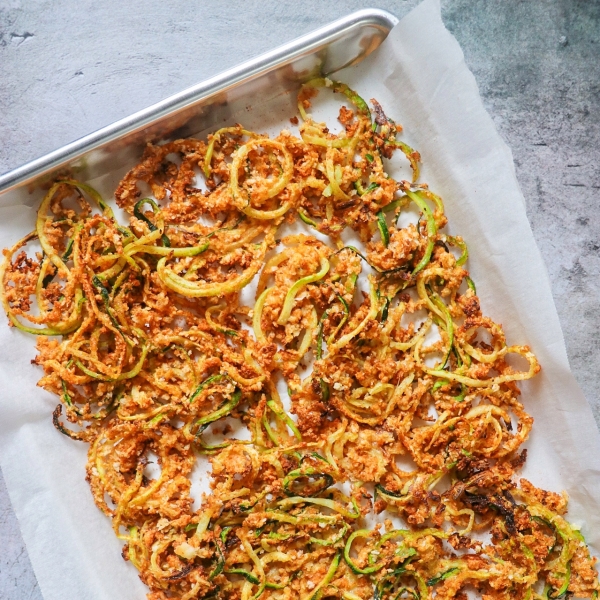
(246, 71)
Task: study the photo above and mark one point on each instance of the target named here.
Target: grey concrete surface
(68, 68)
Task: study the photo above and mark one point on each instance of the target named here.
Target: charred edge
(380, 116)
(56, 421)
(468, 467)
(505, 506)
(519, 460)
(181, 573)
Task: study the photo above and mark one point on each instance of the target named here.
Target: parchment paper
(420, 77)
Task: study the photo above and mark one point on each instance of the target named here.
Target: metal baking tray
(343, 43)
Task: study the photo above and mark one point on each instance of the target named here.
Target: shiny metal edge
(309, 45)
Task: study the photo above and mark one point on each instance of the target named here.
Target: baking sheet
(420, 77)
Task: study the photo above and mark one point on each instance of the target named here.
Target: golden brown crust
(411, 408)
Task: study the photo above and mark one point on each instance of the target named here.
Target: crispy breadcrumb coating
(411, 409)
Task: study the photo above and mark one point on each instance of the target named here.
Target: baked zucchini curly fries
(146, 341)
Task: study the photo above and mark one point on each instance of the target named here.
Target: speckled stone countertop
(68, 68)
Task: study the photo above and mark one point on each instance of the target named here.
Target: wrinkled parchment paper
(420, 77)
